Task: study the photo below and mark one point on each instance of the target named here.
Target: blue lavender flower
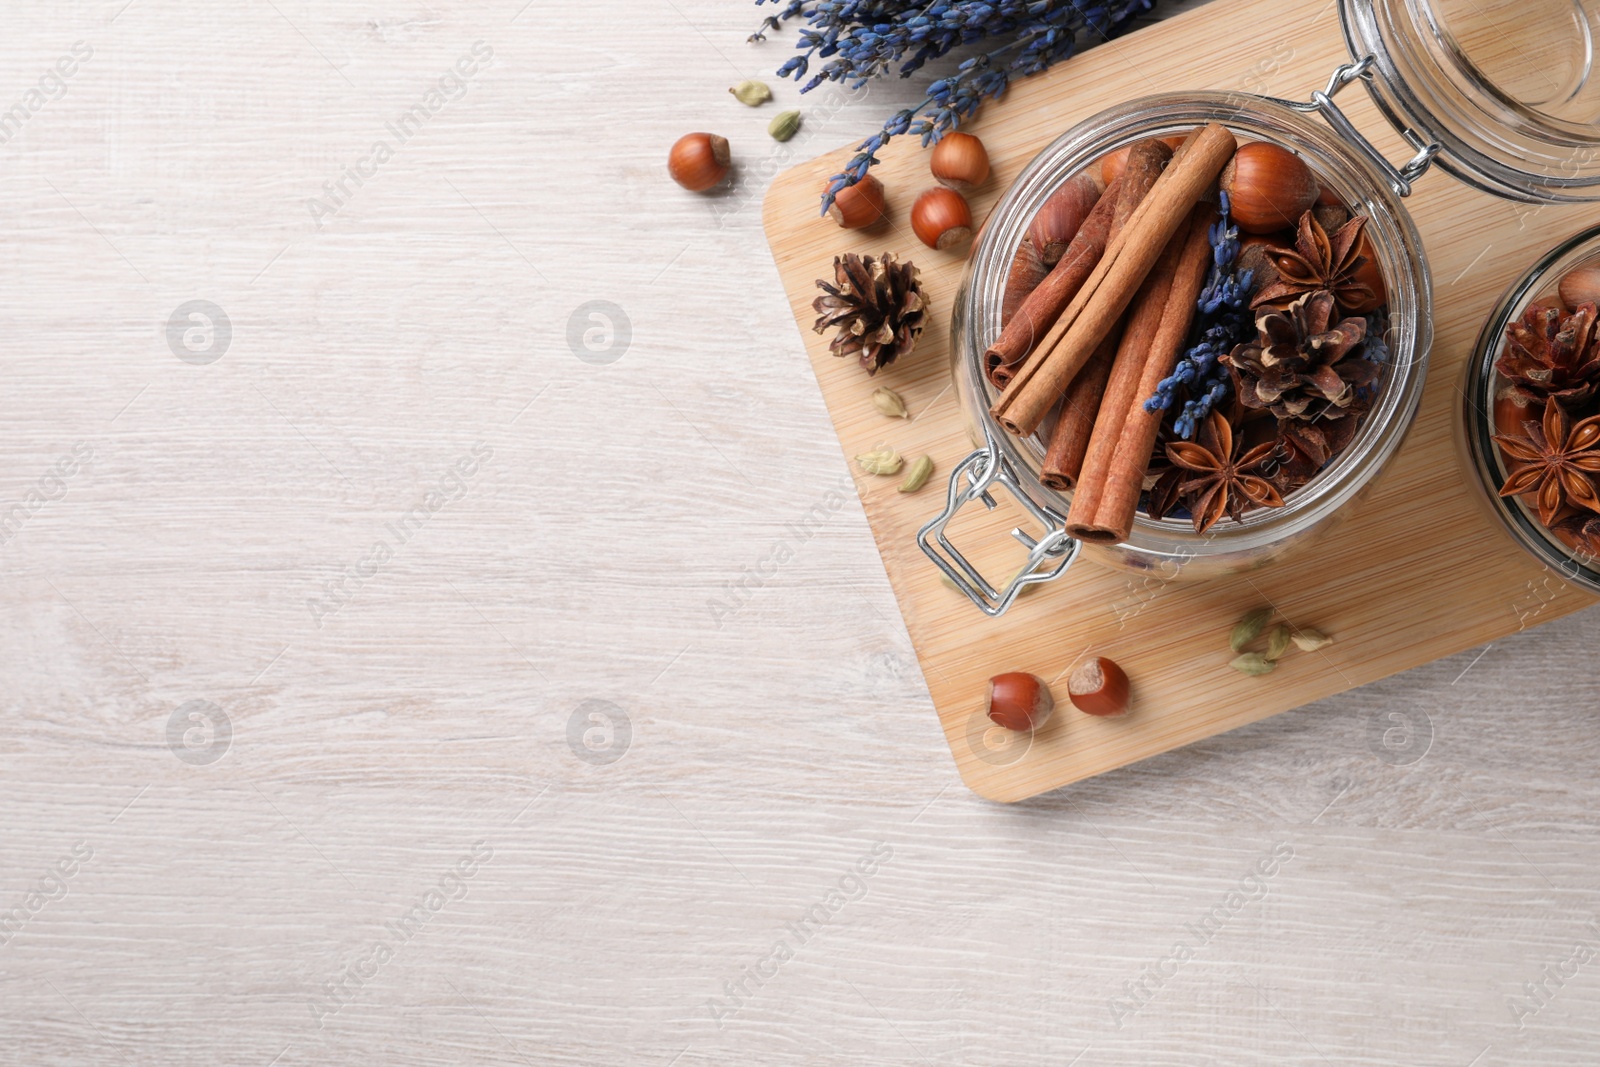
(1377, 347)
(859, 40)
(1224, 321)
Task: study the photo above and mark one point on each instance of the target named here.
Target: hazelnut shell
(1020, 701)
(941, 218)
(960, 161)
(860, 205)
(1268, 187)
(1099, 687)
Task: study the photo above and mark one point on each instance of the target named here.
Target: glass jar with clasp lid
(1498, 94)
(1567, 539)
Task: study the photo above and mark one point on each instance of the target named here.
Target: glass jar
(1441, 72)
(1477, 423)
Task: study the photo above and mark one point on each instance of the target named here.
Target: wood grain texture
(772, 746)
(1389, 582)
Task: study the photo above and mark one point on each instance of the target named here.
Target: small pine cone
(875, 304)
(1302, 365)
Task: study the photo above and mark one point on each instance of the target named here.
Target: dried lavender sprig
(864, 39)
(1224, 321)
(1377, 346)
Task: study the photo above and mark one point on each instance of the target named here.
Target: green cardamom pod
(1249, 628)
(883, 460)
(890, 403)
(1311, 640)
(917, 477)
(751, 93)
(785, 126)
(1277, 642)
(1253, 664)
(1023, 573)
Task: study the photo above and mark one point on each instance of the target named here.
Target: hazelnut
(1371, 275)
(1253, 258)
(1112, 164)
(1268, 187)
(699, 161)
(1057, 221)
(1580, 286)
(941, 218)
(1020, 701)
(1330, 216)
(960, 161)
(1099, 687)
(859, 205)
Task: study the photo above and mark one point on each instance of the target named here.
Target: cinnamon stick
(1080, 405)
(1119, 453)
(1023, 330)
(1105, 295)
(1136, 347)
(1069, 441)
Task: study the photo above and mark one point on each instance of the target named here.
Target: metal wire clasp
(982, 471)
(1399, 178)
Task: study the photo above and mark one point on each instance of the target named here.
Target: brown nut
(859, 205)
(1099, 687)
(960, 161)
(1020, 701)
(1058, 220)
(1268, 187)
(1371, 275)
(941, 218)
(699, 161)
(1112, 164)
(1580, 286)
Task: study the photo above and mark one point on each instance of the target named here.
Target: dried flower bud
(752, 93)
(917, 477)
(784, 126)
(1253, 664)
(1249, 628)
(1311, 640)
(1277, 642)
(883, 460)
(890, 403)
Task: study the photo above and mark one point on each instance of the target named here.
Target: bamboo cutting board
(1415, 570)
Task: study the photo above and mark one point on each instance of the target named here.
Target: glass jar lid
(1506, 88)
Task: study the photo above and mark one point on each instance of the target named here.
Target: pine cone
(1303, 366)
(877, 306)
(1552, 354)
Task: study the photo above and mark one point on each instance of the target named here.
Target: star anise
(1551, 353)
(1558, 459)
(1318, 261)
(1213, 479)
(876, 305)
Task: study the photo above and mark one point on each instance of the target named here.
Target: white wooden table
(370, 693)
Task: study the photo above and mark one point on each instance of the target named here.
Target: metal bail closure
(1400, 178)
(983, 470)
